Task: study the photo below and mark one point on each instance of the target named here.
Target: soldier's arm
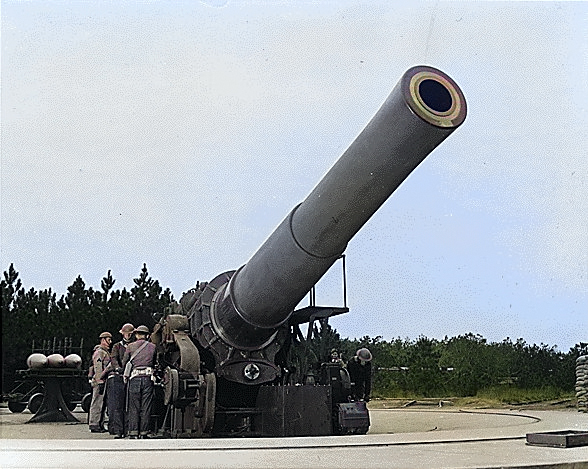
(368, 383)
(107, 370)
(154, 357)
(114, 356)
(98, 366)
(126, 358)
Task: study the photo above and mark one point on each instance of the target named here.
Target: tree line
(468, 364)
(31, 317)
(462, 366)
(457, 366)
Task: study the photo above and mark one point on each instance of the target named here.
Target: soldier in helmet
(141, 356)
(100, 361)
(360, 373)
(115, 384)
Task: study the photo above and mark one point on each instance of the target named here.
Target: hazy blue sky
(179, 134)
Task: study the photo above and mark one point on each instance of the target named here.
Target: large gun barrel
(421, 111)
(240, 319)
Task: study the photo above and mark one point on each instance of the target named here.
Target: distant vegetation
(467, 365)
(460, 366)
(470, 366)
(30, 316)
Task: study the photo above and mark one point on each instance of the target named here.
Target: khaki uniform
(100, 361)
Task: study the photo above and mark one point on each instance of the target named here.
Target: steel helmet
(105, 335)
(142, 329)
(364, 354)
(128, 327)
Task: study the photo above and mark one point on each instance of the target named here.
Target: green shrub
(514, 395)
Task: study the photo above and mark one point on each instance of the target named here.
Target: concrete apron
(465, 439)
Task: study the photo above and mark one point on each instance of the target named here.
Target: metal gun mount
(223, 340)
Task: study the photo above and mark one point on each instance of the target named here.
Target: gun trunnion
(236, 325)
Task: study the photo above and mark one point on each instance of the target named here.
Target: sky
(180, 133)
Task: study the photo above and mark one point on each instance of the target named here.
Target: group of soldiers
(122, 382)
(359, 368)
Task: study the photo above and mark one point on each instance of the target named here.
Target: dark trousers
(358, 390)
(139, 406)
(115, 402)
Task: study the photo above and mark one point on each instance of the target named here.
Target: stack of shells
(38, 360)
(582, 383)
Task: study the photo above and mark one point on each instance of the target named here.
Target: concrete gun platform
(398, 438)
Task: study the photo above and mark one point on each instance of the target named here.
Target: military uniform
(116, 390)
(336, 358)
(140, 386)
(100, 361)
(361, 378)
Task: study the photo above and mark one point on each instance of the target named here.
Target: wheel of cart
(86, 402)
(16, 407)
(19, 397)
(71, 405)
(35, 402)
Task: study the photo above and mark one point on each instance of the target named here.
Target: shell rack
(54, 407)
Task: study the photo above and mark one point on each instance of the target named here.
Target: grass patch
(478, 403)
(495, 397)
(513, 395)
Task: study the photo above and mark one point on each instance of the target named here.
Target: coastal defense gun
(223, 344)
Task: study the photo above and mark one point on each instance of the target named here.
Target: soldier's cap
(364, 354)
(128, 327)
(105, 335)
(142, 329)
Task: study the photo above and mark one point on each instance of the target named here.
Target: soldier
(115, 384)
(336, 357)
(138, 363)
(360, 373)
(100, 361)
